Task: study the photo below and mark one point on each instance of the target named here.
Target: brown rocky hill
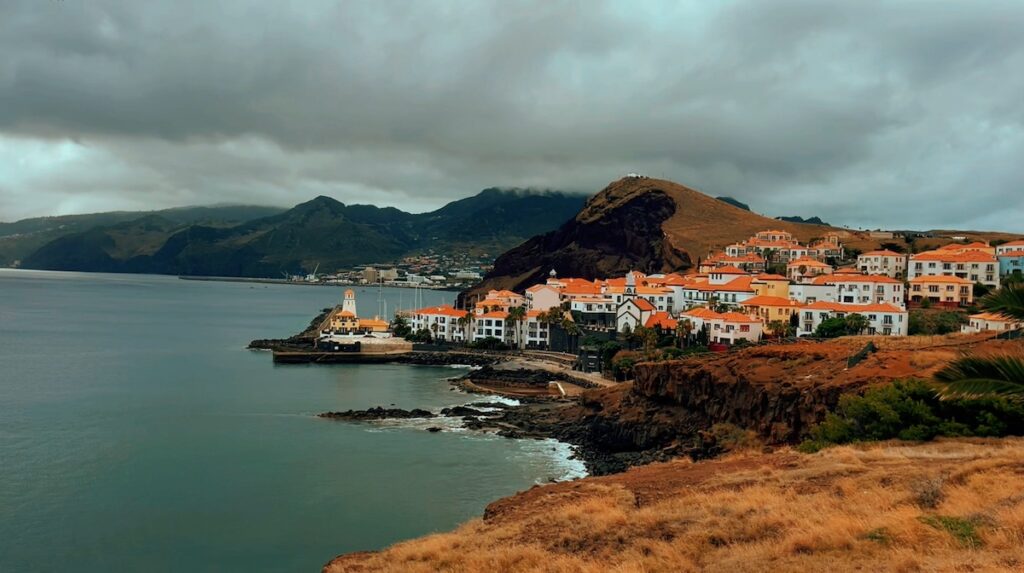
(638, 223)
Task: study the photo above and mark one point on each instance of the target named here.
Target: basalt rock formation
(377, 413)
(775, 392)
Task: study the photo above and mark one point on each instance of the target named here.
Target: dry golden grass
(944, 506)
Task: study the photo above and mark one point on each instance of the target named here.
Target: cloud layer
(874, 114)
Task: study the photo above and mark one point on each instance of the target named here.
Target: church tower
(630, 291)
(349, 304)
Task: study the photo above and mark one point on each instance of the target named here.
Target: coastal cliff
(775, 393)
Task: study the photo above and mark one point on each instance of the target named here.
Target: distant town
(427, 270)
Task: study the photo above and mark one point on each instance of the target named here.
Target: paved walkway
(532, 362)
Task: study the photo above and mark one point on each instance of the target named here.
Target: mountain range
(266, 242)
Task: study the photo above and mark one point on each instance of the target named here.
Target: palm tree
(466, 321)
(998, 375)
(683, 329)
(516, 316)
(1008, 301)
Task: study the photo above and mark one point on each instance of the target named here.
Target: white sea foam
(567, 465)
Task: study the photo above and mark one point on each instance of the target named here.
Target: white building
(989, 322)
(1010, 247)
(884, 319)
(804, 269)
(868, 289)
(442, 322)
(492, 325)
(885, 262)
(724, 327)
(817, 290)
(542, 297)
(974, 265)
(535, 333)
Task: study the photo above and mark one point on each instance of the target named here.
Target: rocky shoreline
(543, 411)
(535, 417)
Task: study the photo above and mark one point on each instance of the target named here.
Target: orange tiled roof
(442, 310)
(765, 300)
(958, 246)
(1017, 243)
(1018, 253)
(728, 270)
(993, 317)
(770, 277)
(840, 307)
(737, 317)
(940, 279)
(859, 278)
(372, 322)
(738, 284)
(954, 257)
(643, 304)
(807, 261)
(882, 253)
(662, 319)
(494, 314)
(700, 312)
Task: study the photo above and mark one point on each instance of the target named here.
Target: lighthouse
(349, 304)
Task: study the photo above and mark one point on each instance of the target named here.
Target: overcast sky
(874, 114)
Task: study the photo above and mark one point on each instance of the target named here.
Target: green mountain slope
(321, 231)
(21, 238)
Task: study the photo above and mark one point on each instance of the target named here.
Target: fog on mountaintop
(908, 120)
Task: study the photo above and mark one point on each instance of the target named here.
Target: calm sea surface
(137, 433)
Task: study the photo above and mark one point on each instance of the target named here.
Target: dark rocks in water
(459, 411)
(378, 413)
(492, 405)
(433, 429)
(440, 358)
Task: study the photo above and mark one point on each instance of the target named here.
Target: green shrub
(965, 531)
(912, 410)
(931, 322)
(489, 343)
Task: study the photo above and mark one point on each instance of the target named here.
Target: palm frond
(1008, 301)
(977, 376)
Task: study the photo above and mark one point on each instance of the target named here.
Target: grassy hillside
(945, 506)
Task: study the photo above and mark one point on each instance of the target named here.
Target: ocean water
(137, 433)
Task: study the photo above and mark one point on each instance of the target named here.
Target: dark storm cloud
(897, 114)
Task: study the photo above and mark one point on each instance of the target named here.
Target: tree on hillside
(1000, 375)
